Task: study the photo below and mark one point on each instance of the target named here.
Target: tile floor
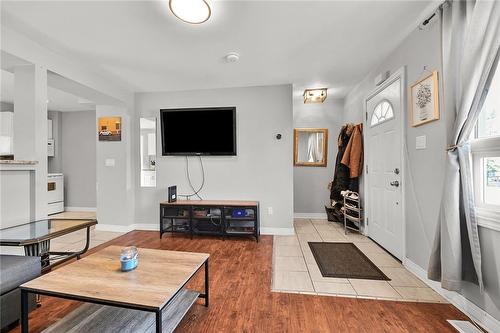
(76, 240)
(295, 269)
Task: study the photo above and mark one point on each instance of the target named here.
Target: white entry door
(383, 142)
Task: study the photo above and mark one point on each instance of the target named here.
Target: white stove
(55, 193)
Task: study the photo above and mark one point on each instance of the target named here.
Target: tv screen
(205, 131)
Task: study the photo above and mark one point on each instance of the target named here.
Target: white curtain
(470, 50)
(314, 147)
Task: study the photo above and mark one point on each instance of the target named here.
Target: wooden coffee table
(156, 285)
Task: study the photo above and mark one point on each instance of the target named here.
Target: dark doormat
(344, 260)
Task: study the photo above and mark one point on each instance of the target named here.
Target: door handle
(395, 183)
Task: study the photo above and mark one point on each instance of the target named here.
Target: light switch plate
(109, 162)
(421, 142)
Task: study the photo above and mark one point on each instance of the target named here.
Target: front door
(384, 166)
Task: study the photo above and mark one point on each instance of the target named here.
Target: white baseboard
(463, 326)
(156, 227)
(114, 227)
(316, 216)
(477, 314)
(80, 209)
(147, 226)
(277, 231)
(127, 228)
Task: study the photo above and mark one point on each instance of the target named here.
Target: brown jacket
(353, 156)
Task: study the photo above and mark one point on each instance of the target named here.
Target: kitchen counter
(18, 162)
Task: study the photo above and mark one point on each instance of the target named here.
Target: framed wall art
(110, 129)
(424, 100)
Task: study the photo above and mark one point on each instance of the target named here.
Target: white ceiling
(58, 99)
(140, 45)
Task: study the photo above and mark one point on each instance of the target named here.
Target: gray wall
(55, 162)
(310, 191)
(425, 169)
(78, 141)
(263, 168)
(116, 183)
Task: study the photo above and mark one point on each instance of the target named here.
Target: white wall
(115, 204)
(116, 183)
(261, 171)
(78, 141)
(426, 167)
(310, 193)
(96, 89)
(55, 162)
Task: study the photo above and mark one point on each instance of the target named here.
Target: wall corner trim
(483, 318)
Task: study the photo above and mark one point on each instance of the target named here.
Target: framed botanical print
(424, 100)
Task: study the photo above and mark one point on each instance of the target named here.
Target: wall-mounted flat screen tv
(200, 131)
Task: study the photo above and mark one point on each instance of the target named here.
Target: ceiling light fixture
(190, 11)
(317, 95)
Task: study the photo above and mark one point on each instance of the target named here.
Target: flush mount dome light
(190, 11)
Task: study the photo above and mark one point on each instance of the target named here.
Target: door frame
(401, 75)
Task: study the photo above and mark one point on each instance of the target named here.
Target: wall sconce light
(315, 95)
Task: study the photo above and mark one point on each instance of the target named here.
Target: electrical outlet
(270, 210)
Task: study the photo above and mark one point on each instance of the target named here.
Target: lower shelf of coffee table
(93, 318)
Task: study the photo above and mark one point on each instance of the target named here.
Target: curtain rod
(427, 20)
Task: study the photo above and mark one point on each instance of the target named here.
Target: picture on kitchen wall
(110, 129)
(424, 100)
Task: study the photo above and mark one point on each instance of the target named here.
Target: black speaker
(172, 193)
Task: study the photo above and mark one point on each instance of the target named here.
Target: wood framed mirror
(310, 147)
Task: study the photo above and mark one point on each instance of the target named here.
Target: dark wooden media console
(210, 217)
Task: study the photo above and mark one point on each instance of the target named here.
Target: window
(485, 146)
(491, 180)
(382, 113)
(148, 151)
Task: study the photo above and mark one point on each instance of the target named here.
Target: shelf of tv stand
(231, 232)
(229, 224)
(207, 218)
(230, 218)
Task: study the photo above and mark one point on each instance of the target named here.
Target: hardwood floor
(241, 299)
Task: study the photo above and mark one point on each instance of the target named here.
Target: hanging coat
(353, 155)
(341, 173)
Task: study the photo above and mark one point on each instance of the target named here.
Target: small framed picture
(424, 100)
(110, 129)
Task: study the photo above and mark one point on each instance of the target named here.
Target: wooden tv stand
(210, 217)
